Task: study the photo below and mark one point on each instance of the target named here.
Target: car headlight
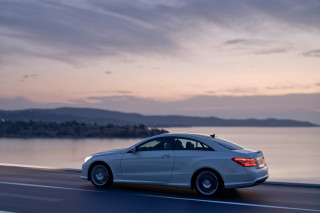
(87, 158)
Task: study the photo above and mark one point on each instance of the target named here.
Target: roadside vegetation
(73, 129)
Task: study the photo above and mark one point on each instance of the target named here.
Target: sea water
(292, 154)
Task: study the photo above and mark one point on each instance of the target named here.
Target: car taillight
(246, 162)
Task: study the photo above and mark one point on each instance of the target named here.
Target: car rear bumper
(251, 177)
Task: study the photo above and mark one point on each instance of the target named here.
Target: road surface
(44, 190)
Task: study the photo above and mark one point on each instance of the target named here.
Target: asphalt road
(41, 190)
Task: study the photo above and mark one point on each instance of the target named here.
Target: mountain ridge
(101, 116)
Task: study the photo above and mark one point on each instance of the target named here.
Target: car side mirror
(133, 150)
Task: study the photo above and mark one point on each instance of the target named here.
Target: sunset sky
(84, 52)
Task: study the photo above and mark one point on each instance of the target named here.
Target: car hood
(111, 152)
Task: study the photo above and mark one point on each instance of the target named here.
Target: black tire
(208, 183)
(100, 175)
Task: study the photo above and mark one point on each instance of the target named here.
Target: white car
(205, 163)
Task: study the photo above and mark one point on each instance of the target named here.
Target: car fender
(113, 161)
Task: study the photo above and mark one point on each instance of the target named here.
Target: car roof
(195, 136)
(189, 135)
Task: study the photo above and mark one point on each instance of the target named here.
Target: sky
(144, 56)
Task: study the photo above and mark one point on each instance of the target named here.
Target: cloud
(255, 46)
(34, 76)
(272, 51)
(108, 72)
(64, 31)
(237, 90)
(72, 30)
(28, 76)
(292, 86)
(102, 92)
(121, 98)
(236, 41)
(211, 92)
(123, 91)
(251, 91)
(312, 53)
(248, 42)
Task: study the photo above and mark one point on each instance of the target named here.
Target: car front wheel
(100, 175)
(207, 183)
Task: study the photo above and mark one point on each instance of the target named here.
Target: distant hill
(103, 117)
(73, 129)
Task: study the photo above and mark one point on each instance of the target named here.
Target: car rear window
(227, 144)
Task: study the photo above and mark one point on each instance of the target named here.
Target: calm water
(292, 154)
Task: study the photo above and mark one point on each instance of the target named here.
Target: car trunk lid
(257, 155)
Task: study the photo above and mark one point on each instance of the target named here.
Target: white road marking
(27, 166)
(38, 167)
(231, 203)
(45, 186)
(29, 197)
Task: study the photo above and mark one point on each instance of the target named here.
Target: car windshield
(227, 144)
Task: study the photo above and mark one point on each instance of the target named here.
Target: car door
(152, 161)
(189, 155)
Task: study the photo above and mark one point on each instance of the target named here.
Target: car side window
(189, 144)
(205, 147)
(157, 144)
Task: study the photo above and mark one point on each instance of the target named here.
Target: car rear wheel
(207, 183)
(100, 175)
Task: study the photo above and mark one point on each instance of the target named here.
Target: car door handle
(165, 156)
